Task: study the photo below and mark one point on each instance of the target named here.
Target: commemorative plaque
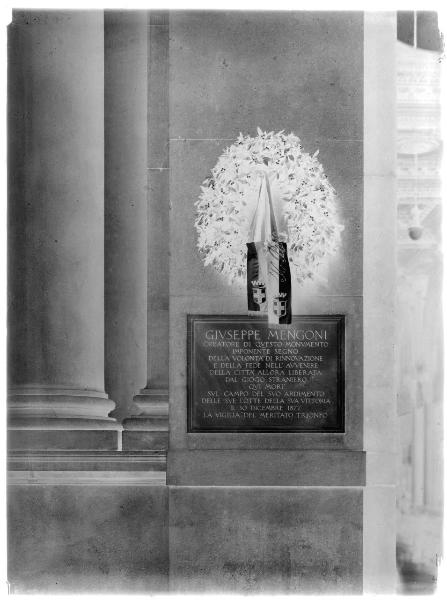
(246, 375)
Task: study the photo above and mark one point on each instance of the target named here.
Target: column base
(64, 434)
(150, 429)
(31, 401)
(61, 418)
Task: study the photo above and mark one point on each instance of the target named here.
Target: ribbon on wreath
(269, 289)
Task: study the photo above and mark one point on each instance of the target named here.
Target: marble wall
(231, 73)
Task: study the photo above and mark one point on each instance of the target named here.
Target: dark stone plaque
(247, 375)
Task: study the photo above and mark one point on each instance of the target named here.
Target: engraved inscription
(251, 376)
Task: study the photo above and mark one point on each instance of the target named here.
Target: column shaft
(125, 104)
(56, 224)
(149, 429)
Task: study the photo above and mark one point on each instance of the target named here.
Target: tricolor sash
(269, 290)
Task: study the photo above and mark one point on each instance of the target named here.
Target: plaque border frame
(341, 346)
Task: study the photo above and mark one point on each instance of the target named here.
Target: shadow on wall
(415, 578)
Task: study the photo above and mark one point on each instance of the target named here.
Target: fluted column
(56, 232)
(148, 428)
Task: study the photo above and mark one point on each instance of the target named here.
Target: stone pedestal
(265, 540)
(283, 511)
(56, 233)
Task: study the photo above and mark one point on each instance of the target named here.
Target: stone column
(148, 430)
(56, 232)
(125, 105)
(379, 293)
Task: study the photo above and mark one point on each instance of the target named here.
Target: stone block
(145, 440)
(63, 439)
(267, 468)
(265, 540)
(87, 539)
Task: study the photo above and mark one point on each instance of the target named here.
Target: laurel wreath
(229, 196)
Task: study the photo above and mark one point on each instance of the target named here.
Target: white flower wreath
(304, 204)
